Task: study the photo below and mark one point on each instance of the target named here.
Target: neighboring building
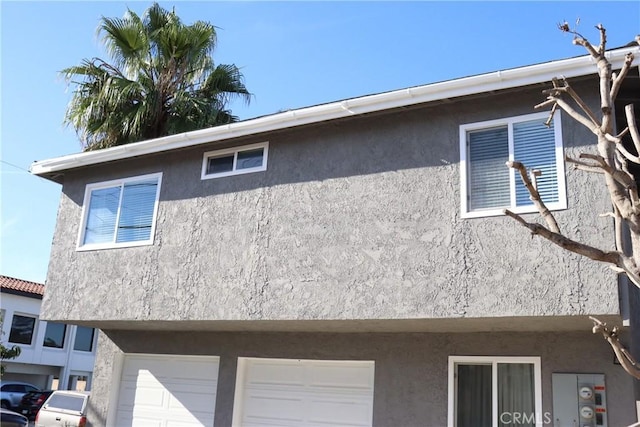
(53, 355)
(345, 264)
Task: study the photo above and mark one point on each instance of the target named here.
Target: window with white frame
(488, 186)
(22, 328)
(120, 212)
(235, 161)
(486, 391)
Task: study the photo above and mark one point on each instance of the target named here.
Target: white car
(64, 408)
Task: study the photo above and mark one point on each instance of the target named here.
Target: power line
(22, 169)
(15, 166)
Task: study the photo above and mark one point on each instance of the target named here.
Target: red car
(31, 403)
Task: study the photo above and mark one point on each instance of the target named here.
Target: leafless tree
(612, 161)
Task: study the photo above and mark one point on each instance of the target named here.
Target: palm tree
(162, 80)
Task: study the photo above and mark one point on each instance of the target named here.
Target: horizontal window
(487, 391)
(488, 185)
(22, 328)
(120, 213)
(235, 161)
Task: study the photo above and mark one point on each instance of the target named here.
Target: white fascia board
(498, 80)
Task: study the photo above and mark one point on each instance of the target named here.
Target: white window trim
(85, 212)
(234, 151)
(557, 128)
(493, 360)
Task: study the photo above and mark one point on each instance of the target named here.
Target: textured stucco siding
(353, 219)
(411, 370)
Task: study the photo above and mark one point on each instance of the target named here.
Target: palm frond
(160, 80)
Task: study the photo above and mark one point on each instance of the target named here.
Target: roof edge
(497, 80)
(26, 294)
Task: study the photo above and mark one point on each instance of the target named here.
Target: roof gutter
(498, 80)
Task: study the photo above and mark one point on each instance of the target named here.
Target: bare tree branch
(566, 88)
(581, 103)
(612, 257)
(627, 155)
(582, 41)
(590, 169)
(570, 159)
(547, 123)
(577, 116)
(549, 101)
(631, 125)
(617, 81)
(603, 39)
(535, 196)
(625, 358)
(617, 223)
(613, 162)
(621, 176)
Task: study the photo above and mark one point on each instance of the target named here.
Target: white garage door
(283, 392)
(167, 391)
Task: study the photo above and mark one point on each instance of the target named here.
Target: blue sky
(293, 54)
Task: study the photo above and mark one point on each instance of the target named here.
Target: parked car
(11, 393)
(64, 408)
(12, 419)
(32, 402)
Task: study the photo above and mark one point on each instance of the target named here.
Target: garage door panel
(181, 418)
(166, 391)
(276, 406)
(276, 374)
(336, 376)
(304, 393)
(198, 402)
(340, 412)
(149, 397)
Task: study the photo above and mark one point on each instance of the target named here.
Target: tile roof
(22, 286)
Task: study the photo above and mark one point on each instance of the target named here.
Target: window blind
(102, 215)
(136, 212)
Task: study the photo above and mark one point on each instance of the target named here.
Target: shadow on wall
(95, 418)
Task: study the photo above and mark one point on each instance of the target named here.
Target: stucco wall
(353, 219)
(410, 369)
